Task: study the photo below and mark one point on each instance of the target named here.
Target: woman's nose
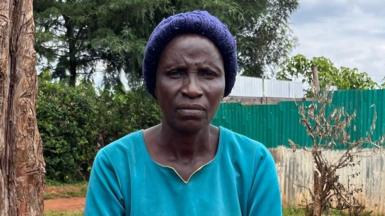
(191, 87)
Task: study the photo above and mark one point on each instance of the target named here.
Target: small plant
(328, 129)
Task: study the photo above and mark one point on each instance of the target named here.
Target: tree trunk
(71, 50)
(316, 86)
(317, 189)
(21, 158)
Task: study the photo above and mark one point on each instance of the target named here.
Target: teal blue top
(240, 180)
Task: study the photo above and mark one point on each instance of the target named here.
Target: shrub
(74, 122)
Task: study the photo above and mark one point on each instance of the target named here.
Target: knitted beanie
(195, 22)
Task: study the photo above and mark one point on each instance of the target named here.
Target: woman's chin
(190, 125)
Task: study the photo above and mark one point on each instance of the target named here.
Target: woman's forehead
(191, 50)
(191, 45)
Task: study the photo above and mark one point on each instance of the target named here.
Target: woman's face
(190, 82)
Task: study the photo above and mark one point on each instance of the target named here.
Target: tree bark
(316, 86)
(72, 63)
(317, 204)
(21, 158)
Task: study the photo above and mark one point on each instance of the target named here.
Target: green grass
(59, 190)
(302, 212)
(293, 212)
(63, 213)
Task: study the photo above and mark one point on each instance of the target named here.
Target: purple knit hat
(196, 22)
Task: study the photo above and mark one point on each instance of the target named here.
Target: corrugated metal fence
(274, 124)
(295, 171)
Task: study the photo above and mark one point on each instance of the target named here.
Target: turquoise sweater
(240, 180)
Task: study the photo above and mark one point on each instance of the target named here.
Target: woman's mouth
(190, 111)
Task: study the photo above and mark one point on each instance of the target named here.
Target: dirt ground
(64, 204)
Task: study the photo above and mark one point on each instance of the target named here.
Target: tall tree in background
(299, 67)
(21, 158)
(76, 35)
(267, 39)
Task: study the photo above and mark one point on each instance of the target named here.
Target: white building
(252, 88)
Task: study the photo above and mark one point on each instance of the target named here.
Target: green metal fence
(274, 124)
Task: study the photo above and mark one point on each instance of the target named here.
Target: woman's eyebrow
(213, 66)
(172, 65)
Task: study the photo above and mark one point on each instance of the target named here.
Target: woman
(185, 165)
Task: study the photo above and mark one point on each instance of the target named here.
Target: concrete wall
(295, 170)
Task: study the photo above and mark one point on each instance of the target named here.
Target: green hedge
(75, 122)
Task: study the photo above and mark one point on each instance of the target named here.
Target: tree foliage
(267, 40)
(67, 119)
(299, 67)
(76, 121)
(74, 36)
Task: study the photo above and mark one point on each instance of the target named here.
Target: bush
(120, 113)
(74, 122)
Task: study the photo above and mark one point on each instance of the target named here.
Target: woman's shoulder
(241, 144)
(246, 154)
(124, 145)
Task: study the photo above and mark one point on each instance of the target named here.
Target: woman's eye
(208, 74)
(175, 74)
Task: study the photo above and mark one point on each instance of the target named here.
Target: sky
(350, 33)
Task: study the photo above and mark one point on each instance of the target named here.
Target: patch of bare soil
(64, 204)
